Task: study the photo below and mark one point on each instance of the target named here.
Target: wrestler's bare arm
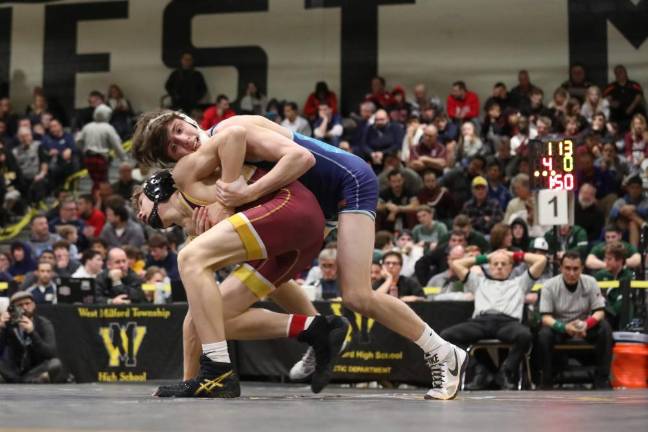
(270, 142)
(224, 150)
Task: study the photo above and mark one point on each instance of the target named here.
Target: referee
(499, 303)
(572, 307)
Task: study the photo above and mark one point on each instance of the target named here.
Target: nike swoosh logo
(454, 371)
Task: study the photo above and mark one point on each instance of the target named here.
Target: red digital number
(547, 163)
(561, 182)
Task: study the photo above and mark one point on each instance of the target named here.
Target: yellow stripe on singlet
(250, 238)
(252, 279)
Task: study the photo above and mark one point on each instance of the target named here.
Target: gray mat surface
(292, 408)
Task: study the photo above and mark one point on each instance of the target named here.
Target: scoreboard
(552, 165)
(553, 179)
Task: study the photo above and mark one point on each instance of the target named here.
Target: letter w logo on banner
(363, 325)
(122, 343)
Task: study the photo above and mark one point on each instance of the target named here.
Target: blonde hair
(639, 117)
(327, 254)
(65, 231)
(151, 271)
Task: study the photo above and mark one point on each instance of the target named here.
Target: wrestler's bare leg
(292, 298)
(214, 249)
(355, 248)
(254, 324)
(251, 324)
(191, 348)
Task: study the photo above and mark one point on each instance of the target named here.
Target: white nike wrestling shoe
(304, 367)
(447, 372)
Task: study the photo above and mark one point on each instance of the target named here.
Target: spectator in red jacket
(463, 105)
(93, 218)
(217, 113)
(321, 96)
(379, 94)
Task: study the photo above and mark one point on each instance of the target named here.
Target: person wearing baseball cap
(479, 181)
(29, 343)
(540, 246)
(482, 211)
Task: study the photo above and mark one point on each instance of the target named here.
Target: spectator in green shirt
(567, 237)
(614, 270)
(597, 254)
(462, 223)
(428, 232)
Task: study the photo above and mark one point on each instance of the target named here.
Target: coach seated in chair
(499, 303)
(572, 308)
(118, 284)
(27, 344)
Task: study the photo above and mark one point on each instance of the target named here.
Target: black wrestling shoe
(326, 335)
(481, 381)
(166, 391)
(505, 380)
(214, 380)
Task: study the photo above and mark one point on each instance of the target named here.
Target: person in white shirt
(295, 122)
(92, 264)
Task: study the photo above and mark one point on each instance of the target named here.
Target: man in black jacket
(27, 344)
(186, 85)
(436, 260)
(118, 284)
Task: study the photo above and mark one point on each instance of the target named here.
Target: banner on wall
(71, 47)
(374, 353)
(119, 344)
(141, 343)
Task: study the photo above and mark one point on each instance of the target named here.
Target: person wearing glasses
(392, 283)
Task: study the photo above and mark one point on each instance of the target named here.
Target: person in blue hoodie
(23, 262)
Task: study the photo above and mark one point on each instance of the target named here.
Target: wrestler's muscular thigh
(355, 249)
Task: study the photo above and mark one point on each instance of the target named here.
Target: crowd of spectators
(454, 175)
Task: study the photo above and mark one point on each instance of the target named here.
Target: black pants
(503, 327)
(10, 372)
(600, 336)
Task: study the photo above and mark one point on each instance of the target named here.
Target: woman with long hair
(636, 142)
(594, 103)
(520, 235)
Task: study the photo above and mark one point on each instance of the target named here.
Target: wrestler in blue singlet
(341, 181)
